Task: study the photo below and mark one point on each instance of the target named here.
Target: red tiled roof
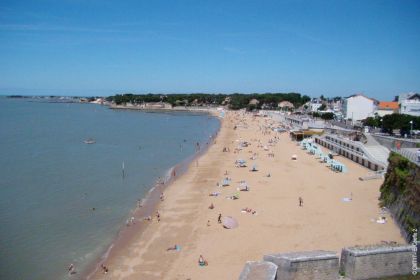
(383, 105)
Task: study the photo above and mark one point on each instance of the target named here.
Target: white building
(358, 107)
(315, 104)
(409, 104)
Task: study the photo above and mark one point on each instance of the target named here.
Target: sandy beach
(279, 224)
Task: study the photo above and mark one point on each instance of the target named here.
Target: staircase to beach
(376, 150)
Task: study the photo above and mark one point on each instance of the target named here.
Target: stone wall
(391, 142)
(359, 263)
(259, 270)
(315, 265)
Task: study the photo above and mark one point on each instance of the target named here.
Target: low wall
(315, 265)
(259, 271)
(392, 142)
(359, 263)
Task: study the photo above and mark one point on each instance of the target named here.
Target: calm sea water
(50, 180)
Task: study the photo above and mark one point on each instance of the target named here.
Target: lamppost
(382, 124)
(411, 129)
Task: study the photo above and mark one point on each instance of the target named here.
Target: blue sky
(86, 47)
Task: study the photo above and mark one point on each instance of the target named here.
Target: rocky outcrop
(400, 193)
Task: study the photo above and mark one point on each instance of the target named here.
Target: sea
(63, 201)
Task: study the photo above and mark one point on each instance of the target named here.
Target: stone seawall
(360, 263)
(315, 265)
(357, 263)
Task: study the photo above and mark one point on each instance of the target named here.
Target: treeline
(389, 123)
(234, 101)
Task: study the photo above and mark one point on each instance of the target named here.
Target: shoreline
(149, 204)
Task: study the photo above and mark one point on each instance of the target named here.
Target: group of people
(249, 210)
(104, 269)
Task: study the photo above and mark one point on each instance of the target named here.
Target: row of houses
(358, 106)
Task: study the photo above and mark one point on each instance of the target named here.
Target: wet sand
(280, 224)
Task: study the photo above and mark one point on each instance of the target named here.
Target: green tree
(322, 107)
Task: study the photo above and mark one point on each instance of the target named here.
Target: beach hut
(337, 166)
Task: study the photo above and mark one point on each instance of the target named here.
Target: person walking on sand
(158, 216)
(219, 219)
(300, 201)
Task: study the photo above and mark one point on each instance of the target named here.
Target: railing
(411, 156)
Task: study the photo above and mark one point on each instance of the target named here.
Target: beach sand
(324, 222)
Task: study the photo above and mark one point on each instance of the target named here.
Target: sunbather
(214, 194)
(175, 247)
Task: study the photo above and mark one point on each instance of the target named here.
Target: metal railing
(411, 156)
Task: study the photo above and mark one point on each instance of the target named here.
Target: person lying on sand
(233, 197)
(174, 248)
(202, 261)
(148, 218)
(214, 194)
(248, 210)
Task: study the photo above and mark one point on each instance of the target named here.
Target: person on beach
(211, 206)
(219, 219)
(104, 269)
(158, 216)
(72, 269)
(174, 248)
(162, 197)
(300, 201)
(202, 261)
(208, 223)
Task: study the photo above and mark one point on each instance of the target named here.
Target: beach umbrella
(229, 222)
